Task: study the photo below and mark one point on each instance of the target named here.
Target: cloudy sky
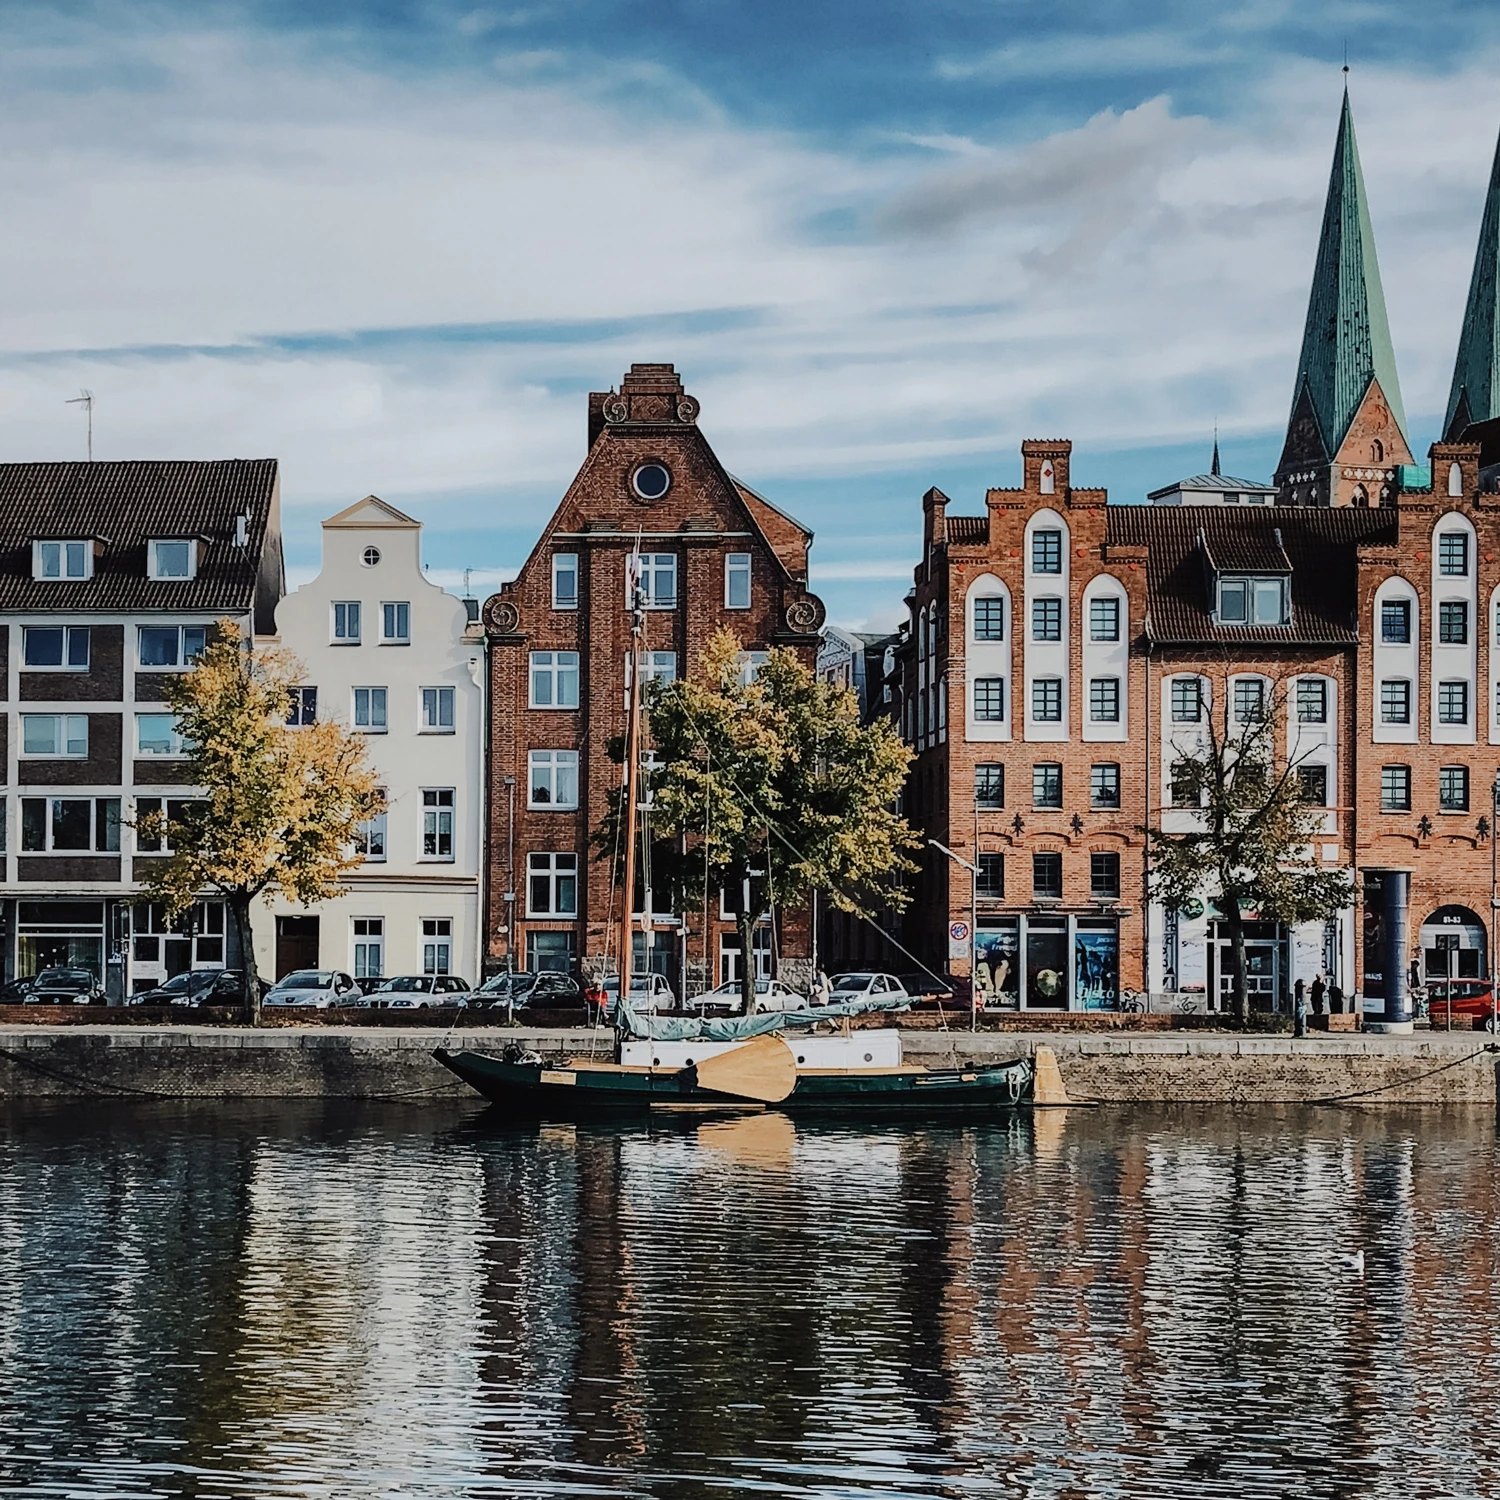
(394, 242)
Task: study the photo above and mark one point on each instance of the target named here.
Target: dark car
(1465, 1001)
(196, 987)
(15, 991)
(522, 991)
(65, 987)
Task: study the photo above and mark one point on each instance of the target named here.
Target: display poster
(997, 970)
(1096, 968)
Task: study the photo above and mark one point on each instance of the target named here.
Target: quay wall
(376, 1063)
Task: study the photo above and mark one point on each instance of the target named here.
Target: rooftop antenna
(85, 399)
(467, 589)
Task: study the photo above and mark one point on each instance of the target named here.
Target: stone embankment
(379, 1063)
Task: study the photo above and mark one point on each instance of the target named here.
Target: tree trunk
(239, 910)
(1238, 999)
(745, 921)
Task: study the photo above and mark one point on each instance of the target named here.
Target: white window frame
(432, 701)
(547, 666)
(98, 823)
(372, 837)
(563, 564)
(146, 807)
(751, 663)
(437, 946)
(397, 637)
(154, 568)
(184, 662)
(348, 638)
(302, 696)
(372, 941)
(655, 568)
(738, 569)
(70, 634)
(70, 549)
(548, 865)
(180, 746)
(438, 822)
(65, 732)
(372, 723)
(544, 766)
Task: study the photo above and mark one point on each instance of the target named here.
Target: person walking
(1315, 993)
(1299, 1009)
(821, 990)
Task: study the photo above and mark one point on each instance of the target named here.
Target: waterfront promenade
(356, 1062)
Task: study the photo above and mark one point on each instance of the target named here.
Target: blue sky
(393, 244)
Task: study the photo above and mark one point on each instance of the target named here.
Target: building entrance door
(1453, 945)
(296, 944)
(1263, 966)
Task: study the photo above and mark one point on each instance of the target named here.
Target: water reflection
(318, 1300)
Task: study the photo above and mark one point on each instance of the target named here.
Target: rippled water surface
(335, 1300)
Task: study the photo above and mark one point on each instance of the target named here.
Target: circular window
(372, 556)
(651, 481)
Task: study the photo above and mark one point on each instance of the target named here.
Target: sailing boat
(810, 1060)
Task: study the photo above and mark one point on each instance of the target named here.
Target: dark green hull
(536, 1091)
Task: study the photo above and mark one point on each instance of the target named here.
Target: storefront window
(997, 970)
(1096, 965)
(59, 935)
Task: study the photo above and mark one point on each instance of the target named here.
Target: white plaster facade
(406, 672)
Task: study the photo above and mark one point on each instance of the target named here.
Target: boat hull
(536, 1091)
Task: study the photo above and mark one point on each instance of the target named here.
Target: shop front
(1048, 961)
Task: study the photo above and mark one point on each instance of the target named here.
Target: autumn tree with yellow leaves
(280, 807)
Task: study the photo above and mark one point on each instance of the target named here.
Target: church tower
(1475, 396)
(1347, 431)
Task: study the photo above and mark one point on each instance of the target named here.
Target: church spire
(1475, 396)
(1215, 468)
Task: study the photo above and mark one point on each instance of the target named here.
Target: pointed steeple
(1214, 469)
(1475, 396)
(1346, 342)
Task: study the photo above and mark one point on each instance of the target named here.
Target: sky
(393, 243)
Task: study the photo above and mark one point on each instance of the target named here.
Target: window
(1395, 701)
(1453, 554)
(989, 699)
(1046, 700)
(173, 559)
(750, 664)
(70, 825)
(437, 710)
(1104, 700)
(369, 947)
(370, 557)
(656, 579)
(661, 666)
(369, 838)
(1312, 700)
(170, 645)
(554, 779)
(437, 945)
(62, 560)
(1104, 785)
(1187, 700)
(1453, 789)
(155, 822)
(1395, 621)
(1249, 700)
(62, 647)
(989, 785)
(1046, 877)
(303, 706)
(346, 622)
(552, 885)
(1046, 784)
(651, 481)
(554, 679)
(395, 624)
(1453, 703)
(991, 877)
(989, 619)
(737, 580)
(1046, 552)
(370, 710)
(565, 580)
(1104, 619)
(437, 823)
(1395, 789)
(1183, 788)
(65, 735)
(1252, 601)
(1312, 784)
(1104, 877)
(1453, 622)
(157, 734)
(1046, 619)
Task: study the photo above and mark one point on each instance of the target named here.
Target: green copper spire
(1347, 340)
(1475, 396)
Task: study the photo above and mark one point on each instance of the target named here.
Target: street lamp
(973, 870)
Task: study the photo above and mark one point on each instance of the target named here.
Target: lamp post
(1494, 904)
(973, 870)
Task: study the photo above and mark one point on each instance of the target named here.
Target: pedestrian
(821, 990)
(1315, 993)
(1335, 1000)
(1299, 1009)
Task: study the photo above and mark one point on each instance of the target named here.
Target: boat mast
(632, 777)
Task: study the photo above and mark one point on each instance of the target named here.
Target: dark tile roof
(123, 506)
(968, 531)
(1318, 545)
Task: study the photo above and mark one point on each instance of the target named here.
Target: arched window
(1049, 479)
(1361, 498)
(1455, 479)
(1377, 452)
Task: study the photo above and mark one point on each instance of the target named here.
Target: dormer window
(172, 559)
(1252, 601)
(62, 560)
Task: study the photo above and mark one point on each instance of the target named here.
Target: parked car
(868, 986)
(319, 989)
(369, 983)
(65, 987)
(196, 987)
(521, 991)
(648, 993)
(15, 991)
(1466, 1000)
(770, 995)
(420, 992)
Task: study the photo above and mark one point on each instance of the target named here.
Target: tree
(281, 807)
(1251, 843)
(768, 790)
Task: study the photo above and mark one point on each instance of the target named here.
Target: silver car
(867, 986)
(771, 995)
(315, 989)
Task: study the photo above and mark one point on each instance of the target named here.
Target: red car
(1466, 1000)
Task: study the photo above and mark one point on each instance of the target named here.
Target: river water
(329, 1300)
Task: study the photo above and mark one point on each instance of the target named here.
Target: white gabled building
(396, 658)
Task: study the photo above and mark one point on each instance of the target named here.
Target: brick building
(714, 553)
(1063, 653)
